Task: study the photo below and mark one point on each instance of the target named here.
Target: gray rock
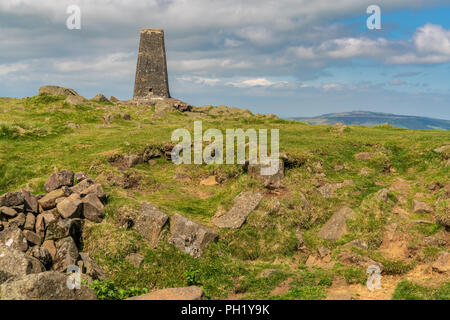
(442, 264)
(421, 207)
(11, 199)
(66, 254)
(30, 222)
(135, 259)
(57, 91)
(43, 255)
(150, 222)
(97, 190)
(83, 185)
(189, 236)
(30, 202)
(93, 208)
(59, 229)
(80, 176)
(70, 207)
(75, 100)
(18, 221)
(44, 286)
(100, 98)
(91, 267)
(336, 226)
(58, 180)
(242, 206)
(13, 238)
(269, 181)
(48, 201)
(8, 212)
(17, 263)
(42, 221)
(383, 195)
(32, 237)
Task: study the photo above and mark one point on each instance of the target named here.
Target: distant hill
(366, 118)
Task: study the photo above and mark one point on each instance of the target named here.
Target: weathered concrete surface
(151, 71)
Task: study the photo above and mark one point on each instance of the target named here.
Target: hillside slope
(394, 187)
(365, 118)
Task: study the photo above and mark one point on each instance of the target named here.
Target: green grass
(35, 140)
(407, 290)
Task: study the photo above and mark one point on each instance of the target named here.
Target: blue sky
(291, 57)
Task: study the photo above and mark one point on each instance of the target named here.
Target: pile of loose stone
(40, 238)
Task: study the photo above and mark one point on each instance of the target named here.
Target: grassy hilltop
(276, 254)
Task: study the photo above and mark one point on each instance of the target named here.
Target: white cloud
(258, 82)
(12, 68)
(431, 44)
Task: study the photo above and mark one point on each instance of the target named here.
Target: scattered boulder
(11, 199)
(75, 100)
(32, 237)
(80, 176)
(383, 195)
(114, 99)
(97, 190)
(186, 293)
(242, 206)
(48, 201)
(13, 238)
(49, 245)
(44, 286)
(189, 236)
(442, 264)
(365, 155)
(125, 116)
(18, 221)
(83, 185)
(59, 229)
(421, 207)
(339, 127)
(66, 254)
(8, 212)
(336, 226)
(100, 98)
(93, 208)
(91, 267)
(42, 222)
(31, 203)
(210, 181)
(269, 181)
(135, 259)
(17, 264)
(41, 254)
(70, 207)
(150, 222)
(30, 222)
(59, 179)
(352, 258)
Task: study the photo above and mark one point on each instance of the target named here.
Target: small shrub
(107, 290)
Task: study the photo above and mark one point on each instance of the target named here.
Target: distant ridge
(367, 118)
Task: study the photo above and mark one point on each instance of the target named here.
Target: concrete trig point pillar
(151, 71)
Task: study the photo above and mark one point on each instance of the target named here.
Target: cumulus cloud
(11, 68)
(231, 44)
